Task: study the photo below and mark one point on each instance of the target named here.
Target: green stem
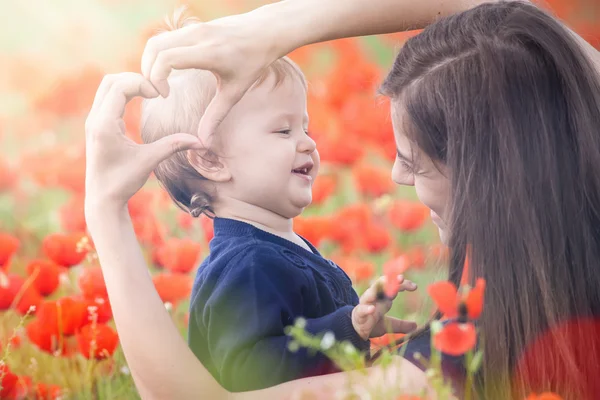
(469, 381)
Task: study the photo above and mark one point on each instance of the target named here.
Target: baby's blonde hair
(191, 91)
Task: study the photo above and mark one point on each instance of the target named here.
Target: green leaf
(476, 362)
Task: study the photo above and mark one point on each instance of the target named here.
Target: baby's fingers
(395, 325)
(407, 285)
(362, 313)
(371, 294)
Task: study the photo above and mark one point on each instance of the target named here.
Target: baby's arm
(243, 316)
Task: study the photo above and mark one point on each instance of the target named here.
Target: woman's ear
(209, 165)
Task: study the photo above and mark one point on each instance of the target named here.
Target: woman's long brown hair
(505, 97)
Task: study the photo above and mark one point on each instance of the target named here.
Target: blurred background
(53, 57)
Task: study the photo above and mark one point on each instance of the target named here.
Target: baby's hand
(368, 317)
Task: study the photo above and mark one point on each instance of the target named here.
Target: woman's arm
(162, 365)
(238, 48)
(301, 22)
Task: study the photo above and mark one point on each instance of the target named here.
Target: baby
(259, 276)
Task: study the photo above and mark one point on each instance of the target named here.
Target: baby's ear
(208, 164)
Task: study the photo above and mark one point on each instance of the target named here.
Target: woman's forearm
(302, 22)
(400, 376)
(162, 365)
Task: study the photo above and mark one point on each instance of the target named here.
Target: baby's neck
(261, 218)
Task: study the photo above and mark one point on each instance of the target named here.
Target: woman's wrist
(280, 28)
(98, 215)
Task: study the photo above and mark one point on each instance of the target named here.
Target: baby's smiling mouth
(304, 169)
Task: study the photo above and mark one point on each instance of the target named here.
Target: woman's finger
(190, 57)
(227, 97)
(124, 88)
(183, 37)
(103, 89)
(167, 146)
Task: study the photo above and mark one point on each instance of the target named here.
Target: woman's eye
(285, 131)
(406, 166)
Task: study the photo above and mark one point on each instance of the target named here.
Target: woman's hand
(116, 166)
(236, 49)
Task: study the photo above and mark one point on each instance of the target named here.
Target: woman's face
(413, 167)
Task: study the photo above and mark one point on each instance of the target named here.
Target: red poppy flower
(207, 227)
(149, 230)
(456, 338)
(9, 245)
(451, 304)
(21, 389)
(377, 238)
(386, 339)
(141, 203)
(26, 298)
(315, 229)
(9, 287)
(408, 216)
(349, 220)
(173, 287)
(416, 254)
(91, 283)
(45, 338)
(77, 91)
(44, 391)
(323, 188)
(65, 315)
(9, 380)
(47, 275)
(357, 269)
(391, 270)
(181, 255)
(372, 180)
(543, 366)
(97, 308)
(97, 340)
(185, 221)
(63, 249)
(72, 216)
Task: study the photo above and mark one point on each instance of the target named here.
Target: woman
(495, 114)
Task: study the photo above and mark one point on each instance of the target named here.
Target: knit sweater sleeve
(244, 319)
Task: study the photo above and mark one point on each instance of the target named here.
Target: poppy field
(57, 336)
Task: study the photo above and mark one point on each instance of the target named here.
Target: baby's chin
(298, 207)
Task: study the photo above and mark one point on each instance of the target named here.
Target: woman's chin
(443, 236)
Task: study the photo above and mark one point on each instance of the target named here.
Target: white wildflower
(328, 341)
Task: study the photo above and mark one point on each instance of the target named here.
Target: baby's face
(272, 161)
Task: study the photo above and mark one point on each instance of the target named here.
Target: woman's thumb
(169, 145)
